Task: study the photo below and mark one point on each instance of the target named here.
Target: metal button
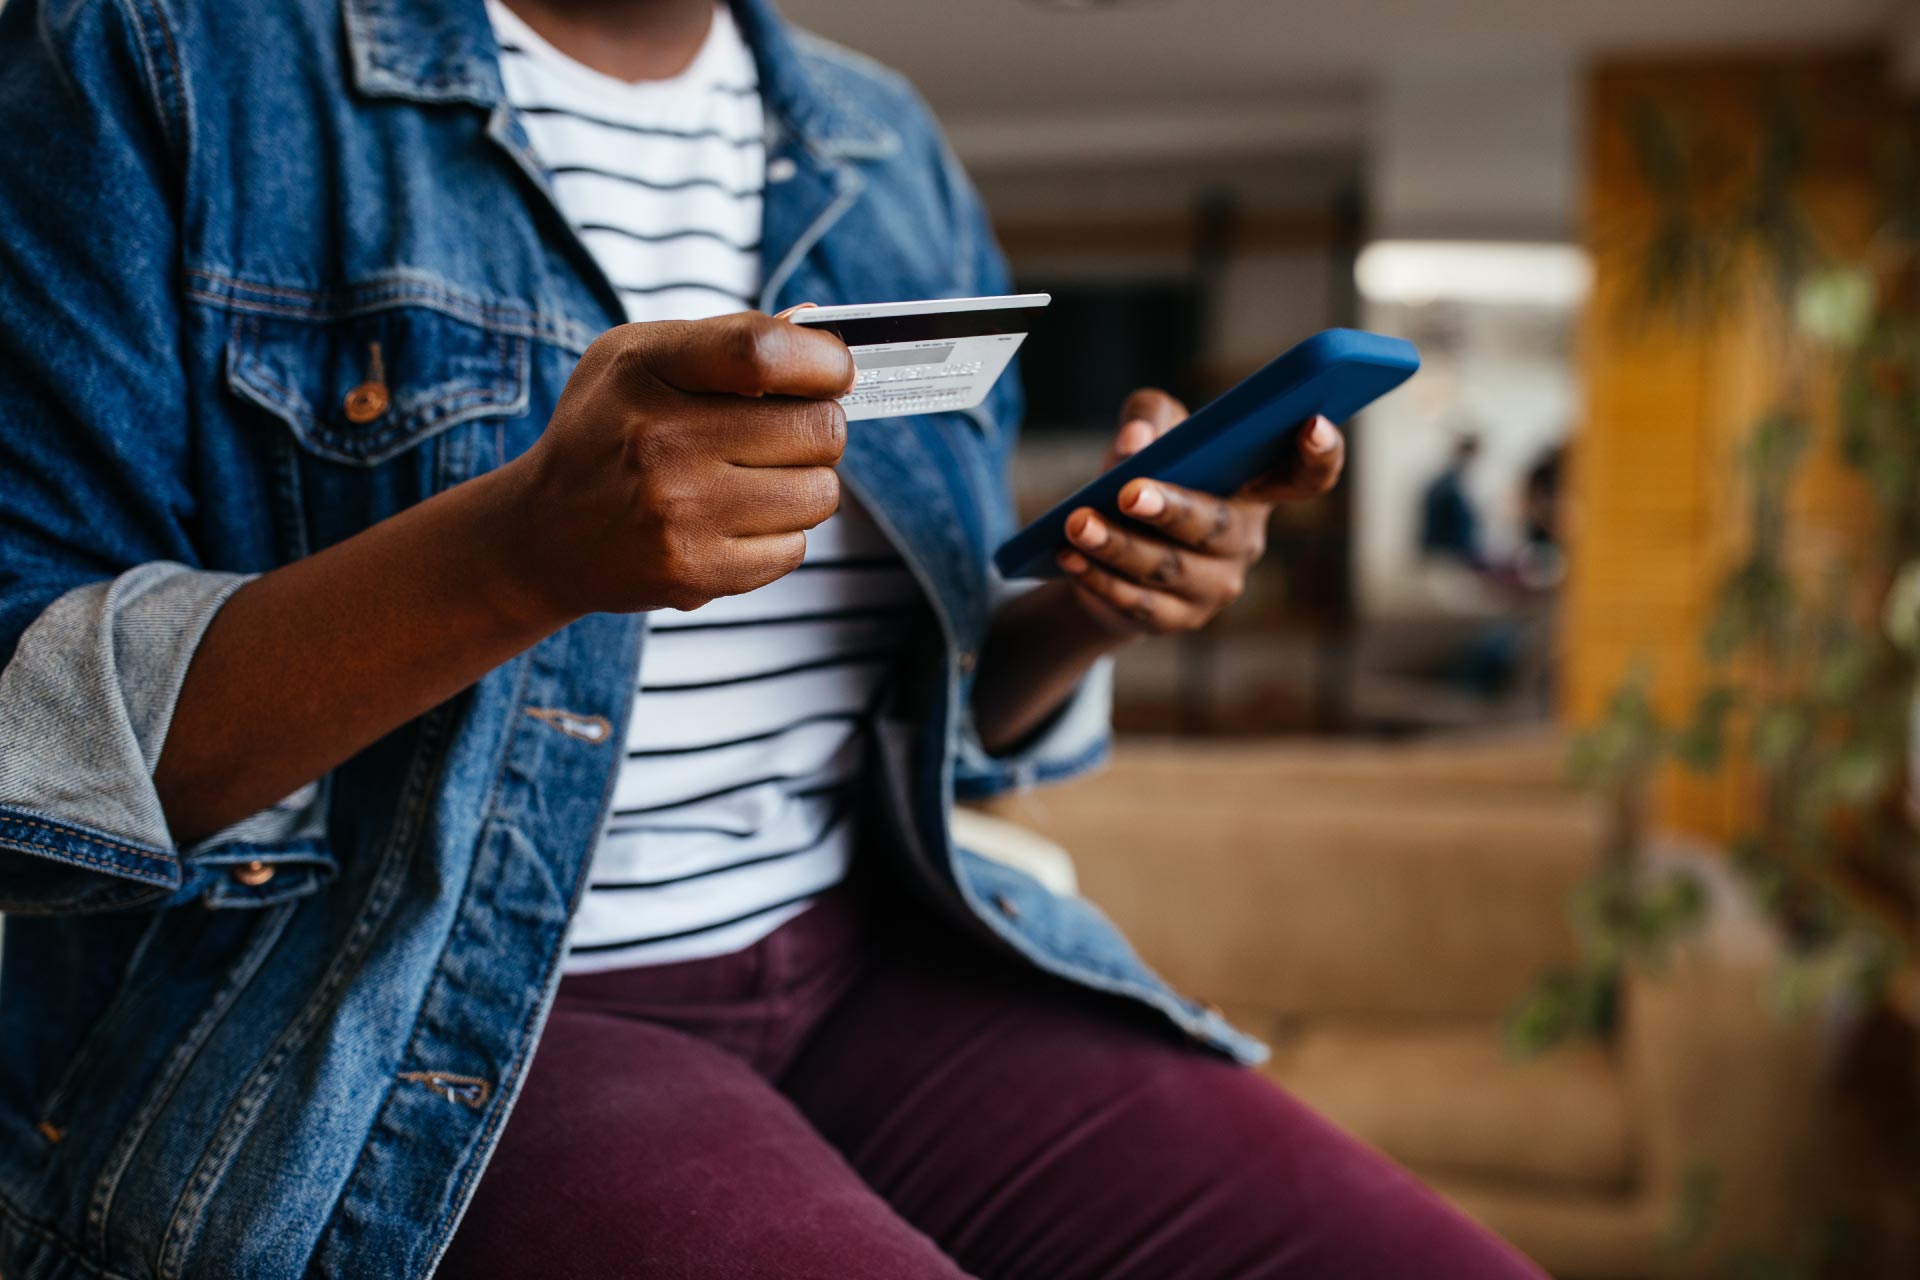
(781, 168)
(968, 660)
(253, 874)
(1007, 906)
(366, 402)
(370, 399)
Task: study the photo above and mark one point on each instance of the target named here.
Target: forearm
(1038, 648)
(310, 663)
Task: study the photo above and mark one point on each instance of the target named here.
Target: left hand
(1184, 557)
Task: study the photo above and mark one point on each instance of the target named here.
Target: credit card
(926, 357)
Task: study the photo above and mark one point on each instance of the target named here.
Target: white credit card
(926, 357)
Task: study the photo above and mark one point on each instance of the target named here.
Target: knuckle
(1214, 525)
(687, 598)
(630, 348)
(824, 426)
(753, 345)
(1168, 567)
(819, 494)
(685, 569)
(792, 554)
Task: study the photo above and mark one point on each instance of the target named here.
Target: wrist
(1085, 627)
(518, 580)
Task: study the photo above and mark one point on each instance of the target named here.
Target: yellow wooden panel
(1659, 495)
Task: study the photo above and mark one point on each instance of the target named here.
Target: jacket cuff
(87, 699)
(1077, 738)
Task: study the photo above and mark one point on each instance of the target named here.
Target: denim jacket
(289, 1048)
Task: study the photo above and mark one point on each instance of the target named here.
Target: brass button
(370, 399)
(968, 660)
(253, 874)
(366, 402)
(1008, 907)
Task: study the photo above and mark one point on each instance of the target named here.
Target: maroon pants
(850, 1099)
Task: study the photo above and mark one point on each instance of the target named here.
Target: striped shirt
(733, 808)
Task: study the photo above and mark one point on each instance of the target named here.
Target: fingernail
(1091, 532)
(1147, 500)
(1321, 436)
(1072, 561)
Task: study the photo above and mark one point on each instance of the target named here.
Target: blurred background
(1549, 802)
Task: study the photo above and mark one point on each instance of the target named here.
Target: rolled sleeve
(104, 588)
(1077, 738)
(87, 698)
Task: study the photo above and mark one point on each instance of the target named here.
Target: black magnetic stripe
(819, 717)
(853, 613)
(798, 668)
(854, 562)
(835, 817)
(685, 184)
(662, 237)
(928, 328)
(645, 130)
(700, 929)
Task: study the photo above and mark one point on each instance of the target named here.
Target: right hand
(684, 462)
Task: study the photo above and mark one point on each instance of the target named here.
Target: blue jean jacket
(289, 1049)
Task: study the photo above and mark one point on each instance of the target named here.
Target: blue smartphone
(1242, 435)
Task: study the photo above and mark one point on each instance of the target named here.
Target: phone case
(1243, 434)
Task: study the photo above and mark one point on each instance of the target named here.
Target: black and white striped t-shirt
(732, 810)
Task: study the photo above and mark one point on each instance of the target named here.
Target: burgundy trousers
(866, 1096)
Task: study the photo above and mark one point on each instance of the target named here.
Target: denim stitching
(394, 289)
(512, 1077)
(189, 1214)
(562, 332)
(25, 843)
(250, 374)
(172, 1071)
(115, 1013)
(173, 122)
(490, 812)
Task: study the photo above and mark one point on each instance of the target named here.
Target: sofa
(1375, 911)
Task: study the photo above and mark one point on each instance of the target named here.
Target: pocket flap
(363, 389)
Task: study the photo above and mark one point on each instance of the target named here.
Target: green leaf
(1835, 307)
(1777, 735)
(1900, 615)
(1701, 744)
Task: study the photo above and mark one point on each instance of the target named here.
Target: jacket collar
(444, 51)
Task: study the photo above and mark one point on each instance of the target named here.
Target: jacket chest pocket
(364, 389)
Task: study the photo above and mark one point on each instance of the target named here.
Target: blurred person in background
(1449, 522)
(1541, 563)
(445, 676)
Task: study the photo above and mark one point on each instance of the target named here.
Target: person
(454, 815)
(1540, 564)
(1449, 522)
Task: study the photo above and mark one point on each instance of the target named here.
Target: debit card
(926, 357)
